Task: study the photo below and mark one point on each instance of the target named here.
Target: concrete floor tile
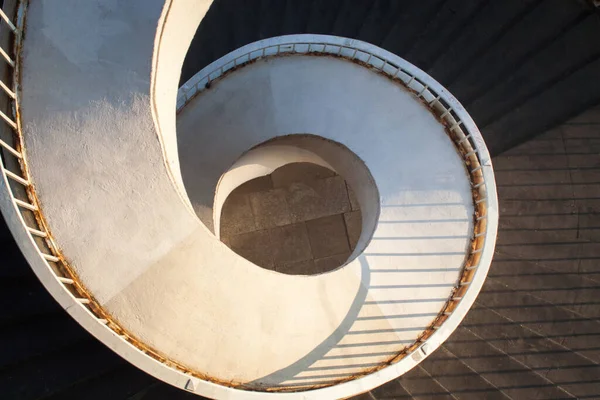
(354, 204)
(299, 172)
(459, 379)
(262, 184)
(421, 386)
(290, 244)
(316, 199)
(236, 215)
(391, 390)
(328, 236)
(306, 267)
(270, 209)
(332, 262)
(354, 227)
(255, 247)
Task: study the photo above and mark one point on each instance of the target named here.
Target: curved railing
(459, 126)
(17, 190)
(22, 211)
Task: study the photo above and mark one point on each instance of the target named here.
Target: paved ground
(301, 219)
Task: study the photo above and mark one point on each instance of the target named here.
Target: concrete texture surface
(322, 235)
(174, 282)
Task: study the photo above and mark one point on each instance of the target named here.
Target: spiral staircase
(529, 75)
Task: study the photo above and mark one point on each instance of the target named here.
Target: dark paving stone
(354, 227)
(236, 215)
(328, 236)
(332, 262)
(354, 204)
(299, 172)
(458, 379)
(502, 371)
(364, 396)
(270, 209)
(536, 352)
(255, 247)
(316, 199)
(391, 390)
(571, 330)
(420, 385)
(306, 267)
(261, 184)
(290, 244)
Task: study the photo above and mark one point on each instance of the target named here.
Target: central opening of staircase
(295, 205)
(302, 219)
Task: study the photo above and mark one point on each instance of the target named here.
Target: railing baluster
(8, 120)
(25, 205)
(10, 149)
(8, 21)
(49, 257)
(7, 57)
(37, 232)
(66, 281)
(15, 177)
(7, 90)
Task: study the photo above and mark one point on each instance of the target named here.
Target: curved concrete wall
(115, 206)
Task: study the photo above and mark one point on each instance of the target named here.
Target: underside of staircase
(529, 74)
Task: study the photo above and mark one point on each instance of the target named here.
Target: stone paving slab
(255, 246)
(290, 244)
(240, 218)
(270, 208)
(316, 199)
(328, 236)
(353, 222)
(299, 172)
